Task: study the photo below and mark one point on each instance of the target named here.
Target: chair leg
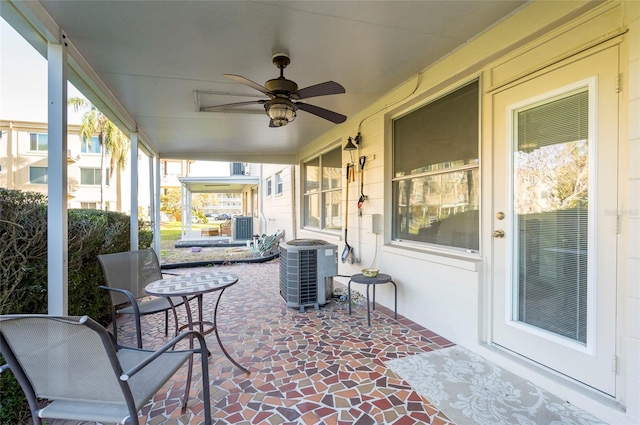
(166, 322)
(113, 323)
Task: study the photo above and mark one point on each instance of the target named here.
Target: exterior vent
(242, 228)
(307, 267)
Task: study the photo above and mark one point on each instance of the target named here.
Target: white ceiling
(152, 56)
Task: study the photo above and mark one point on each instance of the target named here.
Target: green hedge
(23, 269)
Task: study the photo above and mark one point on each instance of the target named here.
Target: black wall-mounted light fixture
(350, 146)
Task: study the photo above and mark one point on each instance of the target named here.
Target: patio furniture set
(79, 367)
(223, 229)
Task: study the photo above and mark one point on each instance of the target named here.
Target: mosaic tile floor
(313, 367)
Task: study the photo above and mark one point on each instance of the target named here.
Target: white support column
(134, 191)
(183, 210)
(189, 212)
(152, 198)
(156, 201)
(57, 225)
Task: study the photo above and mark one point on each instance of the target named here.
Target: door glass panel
(550, 181)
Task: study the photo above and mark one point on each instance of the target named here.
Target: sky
(23, 80)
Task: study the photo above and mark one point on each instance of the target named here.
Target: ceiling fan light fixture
(281, 111)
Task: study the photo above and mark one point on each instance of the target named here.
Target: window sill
(461, 260)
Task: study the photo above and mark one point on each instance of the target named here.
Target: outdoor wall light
(281, 111)
(350, 146)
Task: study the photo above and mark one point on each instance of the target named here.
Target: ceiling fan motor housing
(281, 86)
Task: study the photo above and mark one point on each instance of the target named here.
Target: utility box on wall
(372, 223)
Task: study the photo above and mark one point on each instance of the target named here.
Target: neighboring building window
(279, 184)
(39, 142)
(91, 146)
(89, 205)
(436, 187)
(237, 168)
(38, 175)
(269, 187)
(323, 191)
(93, 176)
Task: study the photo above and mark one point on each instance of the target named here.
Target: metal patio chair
(125, 275)
(76, 365)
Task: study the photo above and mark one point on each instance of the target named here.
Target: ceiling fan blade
(322, 113)
(322, 89)
(220, 108)
(248, 82)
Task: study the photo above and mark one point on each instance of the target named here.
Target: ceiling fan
(284, 96)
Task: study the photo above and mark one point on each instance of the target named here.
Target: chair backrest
(130, 270)
(225, 228)
(69, 358)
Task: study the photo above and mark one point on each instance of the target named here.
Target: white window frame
(37, 144)
(95, 170)
(321, 194)
(84, 146)
(278, 183)
(46, 174)
(445, 171)
(269, 187)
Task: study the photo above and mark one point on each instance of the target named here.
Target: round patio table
(196, 284)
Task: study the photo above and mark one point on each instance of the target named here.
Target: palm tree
(112, 139)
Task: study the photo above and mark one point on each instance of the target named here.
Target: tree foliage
(23, 269)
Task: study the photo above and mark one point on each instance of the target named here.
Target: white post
(156, 201)
(183, 210)
(57, 225)
(152, 198)
(134, 191)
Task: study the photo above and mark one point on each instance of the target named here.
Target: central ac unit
(307, 267)
(242, 228)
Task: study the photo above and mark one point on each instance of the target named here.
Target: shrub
(23, 268)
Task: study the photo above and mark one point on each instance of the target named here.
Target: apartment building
(24, 153)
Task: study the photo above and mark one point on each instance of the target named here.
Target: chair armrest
(128, 294)
(170, 273)
(137, 368)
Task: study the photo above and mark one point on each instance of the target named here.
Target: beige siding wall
(277, 208)
(449, 293)
(632, 214)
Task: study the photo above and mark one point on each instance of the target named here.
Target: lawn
(170, 233)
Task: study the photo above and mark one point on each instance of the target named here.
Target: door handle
(498, 233)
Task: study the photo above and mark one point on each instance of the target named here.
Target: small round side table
(380, 279)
